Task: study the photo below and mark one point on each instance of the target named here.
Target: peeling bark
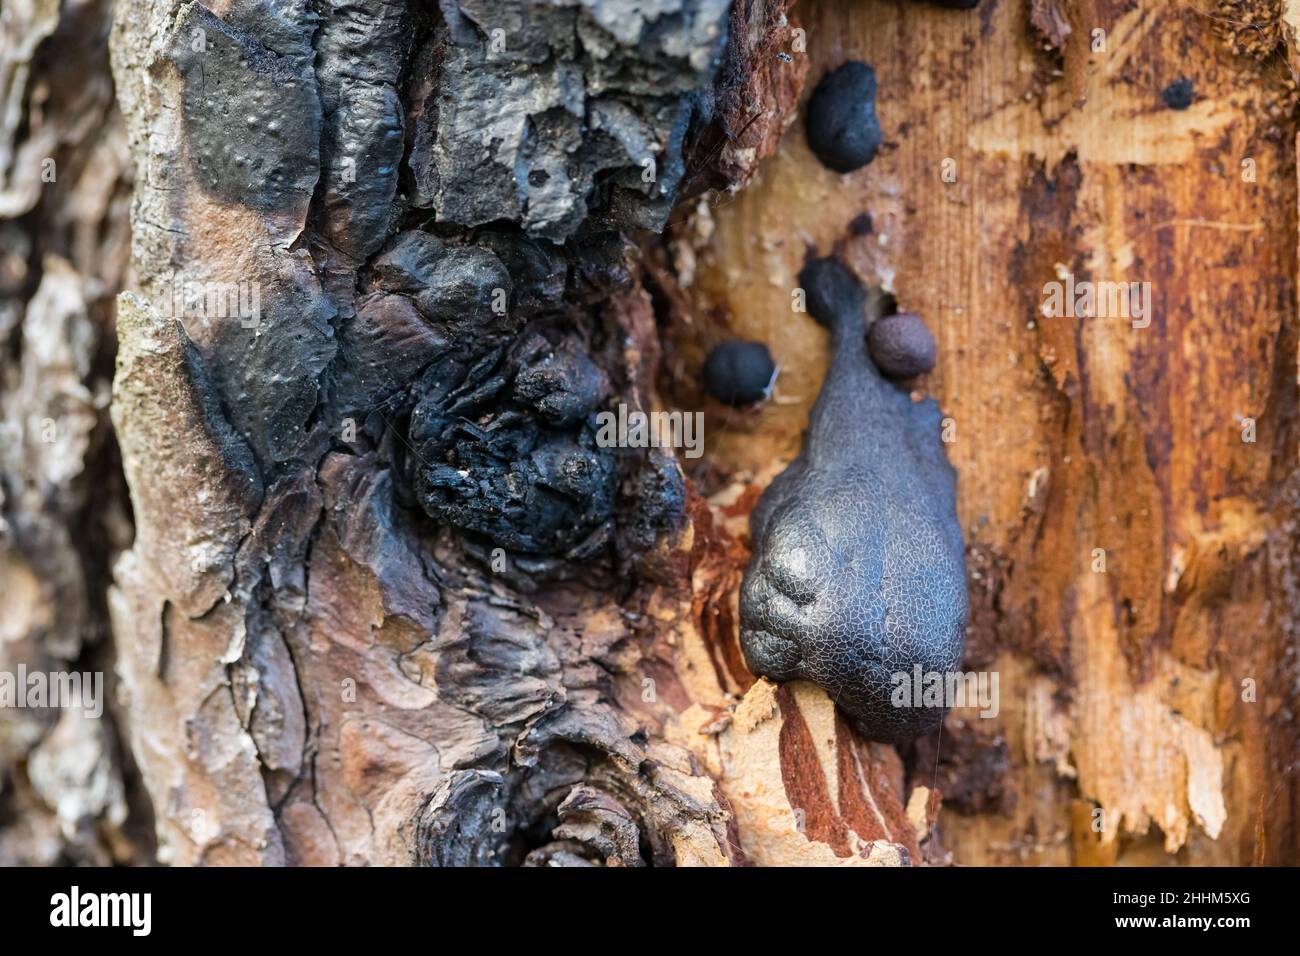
(319, 672)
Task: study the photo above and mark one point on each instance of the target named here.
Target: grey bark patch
(545, 116)
(269, 369)
(175, 441)
(250, 107)
(359, 58)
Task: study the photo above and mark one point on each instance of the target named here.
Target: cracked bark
(388, 599)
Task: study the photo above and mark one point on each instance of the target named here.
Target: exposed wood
(1122, 690)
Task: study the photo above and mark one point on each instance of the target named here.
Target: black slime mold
(858, 571)
(1179, 94)
(841, 123)
(739, 373)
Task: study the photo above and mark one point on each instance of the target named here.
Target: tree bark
(379, 596)
(67, 794)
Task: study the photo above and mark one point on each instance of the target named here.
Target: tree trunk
(381, 594)
(67, 794)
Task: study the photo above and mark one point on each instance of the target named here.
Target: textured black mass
(858, 568)
(548, 113)
(739, 373)
(505, 448)
(901, 345)
(841, 123)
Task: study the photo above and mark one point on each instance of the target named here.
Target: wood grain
(1076, 438)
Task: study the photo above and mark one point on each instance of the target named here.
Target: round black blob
(1179, 94)
(739, 373)
(841, 124)
(831, 291)
(901, 345)
(958, 4)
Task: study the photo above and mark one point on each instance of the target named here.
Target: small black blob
(830, 290)
(901, 345)
(861, 224)
(739, 373)
(958, 4)
(841, 124)
(1179, 94)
